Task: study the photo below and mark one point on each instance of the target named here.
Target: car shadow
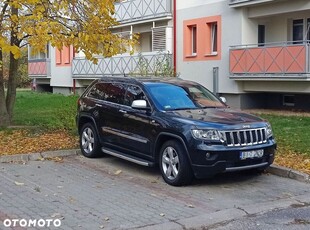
(153, 173)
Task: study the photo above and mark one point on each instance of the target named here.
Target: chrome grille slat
(244, 137)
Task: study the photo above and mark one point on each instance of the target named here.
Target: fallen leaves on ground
(25, 141)
(290, 159)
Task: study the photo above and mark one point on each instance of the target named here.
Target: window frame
(214, 38)
(208, 39)
(194, 39)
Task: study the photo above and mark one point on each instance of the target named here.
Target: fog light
(208, 155)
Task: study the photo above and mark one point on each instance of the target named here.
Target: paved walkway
(109, 193)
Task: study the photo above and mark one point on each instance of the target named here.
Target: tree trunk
(4, 115)
(13, 71)
(12, 84)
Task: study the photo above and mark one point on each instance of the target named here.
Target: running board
(127, 157)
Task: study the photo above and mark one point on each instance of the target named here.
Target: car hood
(223, 116)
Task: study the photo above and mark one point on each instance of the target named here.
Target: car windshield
(168, 96)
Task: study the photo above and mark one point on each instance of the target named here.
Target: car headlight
(209, 135)
(269, 130)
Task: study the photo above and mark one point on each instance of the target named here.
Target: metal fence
(134, 10)
(121, 64)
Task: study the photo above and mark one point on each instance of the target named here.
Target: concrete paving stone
(132, 201)
(34, 156)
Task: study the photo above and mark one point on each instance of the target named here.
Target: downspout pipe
(175, 35)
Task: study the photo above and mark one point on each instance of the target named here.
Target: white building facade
(253, 52)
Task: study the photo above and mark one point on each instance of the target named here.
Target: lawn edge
(38, 156)
(288, 173)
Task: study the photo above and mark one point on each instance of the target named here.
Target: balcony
(39, 68)
(120, 65)
(282, 61)
(239, 3)
(137, 10)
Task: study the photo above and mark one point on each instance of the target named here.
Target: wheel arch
(83, 119)
(164, 137)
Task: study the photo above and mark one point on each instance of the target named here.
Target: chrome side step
(127, 157)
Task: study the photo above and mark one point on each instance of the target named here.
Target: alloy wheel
(170, 163)
(88, 140)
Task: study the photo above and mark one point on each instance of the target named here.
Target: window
(308, 29)
(112, 92)
(202, 39)
(145, 42)
(133, 93)
(298, 27)
(63, 57)
(38, 55)
(214, 37)
(261, 35)
(289, 100)
(194, 39)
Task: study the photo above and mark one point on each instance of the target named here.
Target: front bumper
(228, 160)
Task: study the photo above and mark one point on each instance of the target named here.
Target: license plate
(251, 154)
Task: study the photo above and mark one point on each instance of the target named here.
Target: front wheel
(89, 143)
(174, 164)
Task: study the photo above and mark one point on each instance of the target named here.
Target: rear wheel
(89, 143)
(174, 164)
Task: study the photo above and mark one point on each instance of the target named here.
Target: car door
(136, 126)
(108, 112)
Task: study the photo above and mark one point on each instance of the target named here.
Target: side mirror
(139, 104)
(223, 99)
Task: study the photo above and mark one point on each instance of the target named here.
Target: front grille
(244, 137)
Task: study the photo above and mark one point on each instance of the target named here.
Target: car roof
(143, 80)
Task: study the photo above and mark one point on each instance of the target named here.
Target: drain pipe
(175, 35)
(74, 87)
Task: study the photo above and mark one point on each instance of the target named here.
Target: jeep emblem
(246, 126)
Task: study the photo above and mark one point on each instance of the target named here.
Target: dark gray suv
(177, 124)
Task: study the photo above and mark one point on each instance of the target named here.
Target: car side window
(97, 91)
(134, 93)
(112, 92)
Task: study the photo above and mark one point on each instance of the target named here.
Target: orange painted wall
(64, 56)
(203, 39)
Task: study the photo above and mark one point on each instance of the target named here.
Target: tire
(174, 164)
(89, 142)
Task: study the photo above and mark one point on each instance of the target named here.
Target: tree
(84, 24)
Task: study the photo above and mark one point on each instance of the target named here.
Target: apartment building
(253, 52)
(66, 72)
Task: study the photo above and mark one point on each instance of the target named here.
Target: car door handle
(122, 111)
(98, 105)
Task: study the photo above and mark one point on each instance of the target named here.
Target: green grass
(55, 111)
(45, 110)
(291, 132)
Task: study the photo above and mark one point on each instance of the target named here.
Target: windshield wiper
(186, 108)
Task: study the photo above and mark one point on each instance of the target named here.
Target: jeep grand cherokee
(177, 124)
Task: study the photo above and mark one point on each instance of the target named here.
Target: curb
(38, 156)
(288, 173)
(273, 169)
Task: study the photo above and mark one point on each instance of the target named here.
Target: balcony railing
(135, 10)
(148, 63)
(39, 68)
(236, 3)
(273, 59)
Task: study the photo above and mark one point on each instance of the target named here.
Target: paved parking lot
(109, 193)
